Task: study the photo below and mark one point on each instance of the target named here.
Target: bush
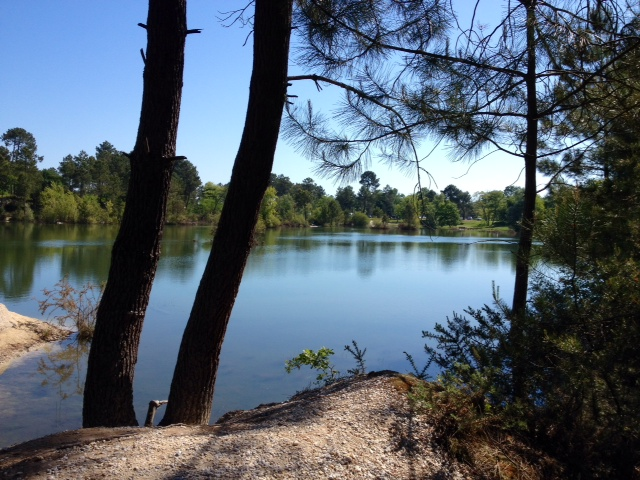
(58, 205)
(73, 308)
(359, 220)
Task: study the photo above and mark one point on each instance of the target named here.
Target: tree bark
(525, 242)
(108, 393)
(192, 387)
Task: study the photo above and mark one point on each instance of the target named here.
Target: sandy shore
(20, 335)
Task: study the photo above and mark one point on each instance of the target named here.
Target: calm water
(301, 289)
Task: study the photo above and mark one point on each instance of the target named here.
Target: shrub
(71, 306)
(359, 220)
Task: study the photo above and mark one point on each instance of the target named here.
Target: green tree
(78, 173)
(90, 210)
(176, 207)
(329, 212)
(347, 199)
(408, 213)
(387, 199)
(189, 180)
(460, 198)
(212, 199)
(492, 206)
(303, 198)
(269, 208)
(111, 176)
(369, 186)
(19, 162)
(6, 180)
(446, 212)
(316, 191)
(50, 176)
(359, 220)
(58, 205)
(287, 211)
(281, 183)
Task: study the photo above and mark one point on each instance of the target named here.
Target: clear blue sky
(72, 76)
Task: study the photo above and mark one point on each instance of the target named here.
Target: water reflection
(64, 369)
(17, 260)
(301, 289)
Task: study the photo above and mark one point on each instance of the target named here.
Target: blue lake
(304, 288)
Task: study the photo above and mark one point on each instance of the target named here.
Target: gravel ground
(358, 428)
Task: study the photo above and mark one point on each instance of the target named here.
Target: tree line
(91, 189)
(88, 188)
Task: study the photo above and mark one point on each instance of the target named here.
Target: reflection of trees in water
(84, 252)
(85, 262)
(494, 254)
(366, 257)
(180, 247)
(63, 369)
(17, 260)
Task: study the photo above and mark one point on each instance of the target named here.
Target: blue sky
(72, 76)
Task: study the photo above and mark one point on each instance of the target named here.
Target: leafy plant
(319, 361)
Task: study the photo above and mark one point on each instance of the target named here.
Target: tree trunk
(108, 393)
(525, 242)
(192, 387)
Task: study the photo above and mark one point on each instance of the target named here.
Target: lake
(302, 288)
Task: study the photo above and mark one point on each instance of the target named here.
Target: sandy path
(20, 334)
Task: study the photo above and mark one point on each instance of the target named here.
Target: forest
(91, 189)
(553, 84)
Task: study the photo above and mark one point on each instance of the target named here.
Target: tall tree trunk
(108, 393)
(192, 387)
(528, 215)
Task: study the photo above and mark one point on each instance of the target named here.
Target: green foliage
(458, 409)
(446, 213)
(408, 212)
(190, 181)
(211, 200)
(328, 212)
(319, 361)
(58, 205)
(347, 199)
(420, 373)
(577, 342)
(359, 220)
(90, 211)
(491, 206)
(358, 355)
(19, 174)
(269, 208)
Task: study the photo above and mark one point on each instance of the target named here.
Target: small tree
(19, 166)
(58, 205)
